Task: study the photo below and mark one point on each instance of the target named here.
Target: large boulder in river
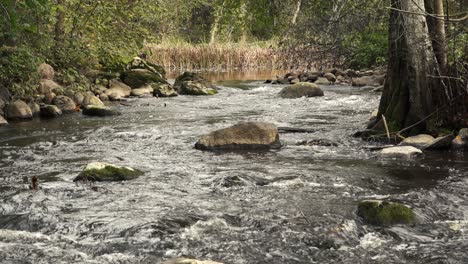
(385, 213)
(101, 111)
(137, 78)
(242, 136)
(301, 89)
(46, 71)
(103, 172)
(190, 83)
(163, 90)
(404, 152)
(65, 104)
(18, 110)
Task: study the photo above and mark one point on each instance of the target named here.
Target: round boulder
(46, 71)
(301, 89)
(50, 111)
(330, 77)
(18, 110)
(91, 100)
(250, 136)
(118, 90)
(65, 103)
(163, 90)
(3, 121)
(104, 172)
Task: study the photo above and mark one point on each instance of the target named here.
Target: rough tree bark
(60, 23)
(411, 92)
(436, 25)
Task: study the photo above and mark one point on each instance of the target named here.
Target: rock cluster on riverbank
(371, 79)
(54, 98)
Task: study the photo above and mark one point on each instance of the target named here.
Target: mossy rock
(192, 77)
(104, 172)
(101, 111)
(163, 90)
(196, 88)
(384, 213)
(137, 78)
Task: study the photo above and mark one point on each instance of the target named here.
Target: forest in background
(81, 36)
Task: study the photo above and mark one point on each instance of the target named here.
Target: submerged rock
(18, 110)
(405, 152)
(50, 111)
(420, 141)
(384, 213)
(250, 135)
(300, 90)
(190, 261)
(163, 90)
(98, 171)
(101, 111)
(318, 142)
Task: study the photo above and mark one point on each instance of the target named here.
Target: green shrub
(367, 49)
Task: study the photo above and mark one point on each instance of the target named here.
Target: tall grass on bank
(225, 56)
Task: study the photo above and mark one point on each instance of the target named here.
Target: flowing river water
(293, 205)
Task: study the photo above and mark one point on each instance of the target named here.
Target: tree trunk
(410, 93)
(60, 24)
(436, 26)
(296, 13)
(215, 26)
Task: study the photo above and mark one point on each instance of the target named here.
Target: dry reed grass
(229, 56)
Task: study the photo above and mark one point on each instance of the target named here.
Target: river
(293, 205)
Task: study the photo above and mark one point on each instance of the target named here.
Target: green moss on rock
(385, 213)
(137, 78)
(107, 172)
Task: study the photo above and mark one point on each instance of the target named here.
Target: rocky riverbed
(297, 204)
